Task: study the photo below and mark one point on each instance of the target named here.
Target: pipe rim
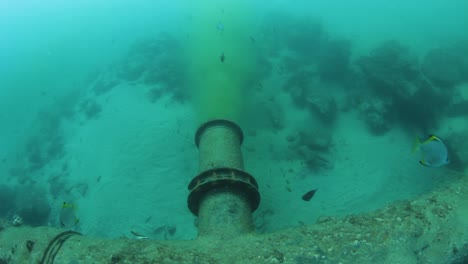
(219, 122)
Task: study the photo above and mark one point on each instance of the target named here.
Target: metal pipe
(222, 195)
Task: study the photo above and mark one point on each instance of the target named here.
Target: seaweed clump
(7, 200)
(33, 206)
(389, 68)
(448, 66)
(334, 60)
(158, 63)
(391, 74)
(313, 148)
(308, 93)
(304, 44)
(47, 143)
(90, 108)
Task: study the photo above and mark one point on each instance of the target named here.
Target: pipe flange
(223, 179)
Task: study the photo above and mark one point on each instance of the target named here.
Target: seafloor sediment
(432, 228)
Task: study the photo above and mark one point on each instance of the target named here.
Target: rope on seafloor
(54, 246)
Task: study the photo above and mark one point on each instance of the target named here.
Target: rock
(389, 68)
(457, 144)
(444, 67)
(33, 206)
(104, 84)
(7, 200)
(157, 62)
(305, 37)
(458, 105)
(297, 87)
(90, 108)
(333, 60)
(315, 139)
(315, 160)
(324, 106)
(377, 115)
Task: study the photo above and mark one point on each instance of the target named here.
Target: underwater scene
(234, 131)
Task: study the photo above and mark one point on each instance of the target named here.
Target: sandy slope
(138, 158)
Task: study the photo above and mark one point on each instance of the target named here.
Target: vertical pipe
(219, 145)
(222, 195)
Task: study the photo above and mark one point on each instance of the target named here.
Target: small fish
(139, 236)
(433, 151)
(67, 216)
(308, 195)
(222, 57)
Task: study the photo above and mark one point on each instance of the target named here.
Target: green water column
(223, 195)
(221, 67)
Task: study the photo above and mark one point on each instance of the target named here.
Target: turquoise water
(97, 108)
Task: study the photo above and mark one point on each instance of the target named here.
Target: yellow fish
(434, 153)
(67, 217)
